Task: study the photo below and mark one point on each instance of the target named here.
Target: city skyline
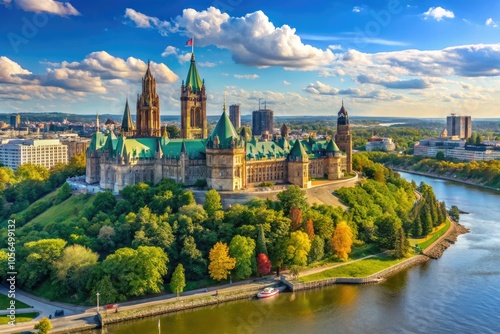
(384, 58)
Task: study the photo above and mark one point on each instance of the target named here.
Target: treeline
(485, 173)
(30, 182)
(404, 137)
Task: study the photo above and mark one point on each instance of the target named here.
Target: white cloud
(357, 9)
(394, 83)
(143, 21)
(47, 6)
(184, 57)
(490, 22)
(246, 76)
(335, 47)
(286, 83)
(10, 71)
(438, 13)
(207, 64)
(170, 50)
(252, 39)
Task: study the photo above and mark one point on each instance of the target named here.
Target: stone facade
(228, 161)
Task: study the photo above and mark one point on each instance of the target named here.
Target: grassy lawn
(65, 210)
(5, 302)
(19, 318)
(438, 231)
(361, 268)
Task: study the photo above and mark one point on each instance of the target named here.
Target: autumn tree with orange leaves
(221, 263)
(342, 240)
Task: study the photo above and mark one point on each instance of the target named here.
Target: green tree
(426, 219)
(454, 213)
(39, 264)
(317, 249)
(3, 266)
(31, 171)
(440, 155)
(212, 202)
(294, 196)
(43, 326)
(173, 131)
(72, 264)
(7, 177)
(137, 271)
(221, 263)
(178, 281)
(63, 193)
(107, 292)
(261, 241)
(416, 229)
(243, 250)
(196, 265)
(387, 225)
(297, 248)
(402, 244)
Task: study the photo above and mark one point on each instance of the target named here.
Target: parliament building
(228, 161)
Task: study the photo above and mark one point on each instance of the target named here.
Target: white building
(456, 149)
(380, 144)
(43, 152)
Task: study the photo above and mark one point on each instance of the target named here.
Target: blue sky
(387, 58)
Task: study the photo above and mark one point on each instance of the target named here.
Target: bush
(266, 184)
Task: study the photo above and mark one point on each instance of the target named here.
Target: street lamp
(98, 294)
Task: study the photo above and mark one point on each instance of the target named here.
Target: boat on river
(268, 292)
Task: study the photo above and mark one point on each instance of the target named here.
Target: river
(459, 293)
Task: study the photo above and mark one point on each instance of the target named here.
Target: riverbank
(436, 250)
(442, 177)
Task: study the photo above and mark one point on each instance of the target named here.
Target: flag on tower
(189, 42)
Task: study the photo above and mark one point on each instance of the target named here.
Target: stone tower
(333, 155)
(343, 137)
(93, 155)
(225, 152)
(128, 128)
(148, 108)
(193, 105)
(298, 166)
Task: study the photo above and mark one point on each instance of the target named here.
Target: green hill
(65, 210)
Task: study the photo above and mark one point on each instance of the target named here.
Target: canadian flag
(189, 42)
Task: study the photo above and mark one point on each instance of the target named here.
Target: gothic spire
(127, 124)
(97, 122)
(193, 78)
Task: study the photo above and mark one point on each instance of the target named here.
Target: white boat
(268, 292)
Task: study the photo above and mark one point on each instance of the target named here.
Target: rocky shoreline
(437, 250)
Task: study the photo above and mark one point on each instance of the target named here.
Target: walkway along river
(459, 293)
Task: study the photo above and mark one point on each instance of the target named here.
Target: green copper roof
(263, 150)
(127, 124)
(98, 140)
(141, 148)
(332, 147)
(298, 150)
(194, 148)
(225, 132)
(193, 78)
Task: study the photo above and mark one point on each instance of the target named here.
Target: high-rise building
(43, 152)
(460, 126)
(343, 137)
(262, 120)
(15, 120)
(148, 108)
(193, 105)
(234, 115)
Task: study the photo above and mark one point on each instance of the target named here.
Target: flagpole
(192, 45)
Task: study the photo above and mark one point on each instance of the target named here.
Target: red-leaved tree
(296, 217)
(263, 264)
(310, 228)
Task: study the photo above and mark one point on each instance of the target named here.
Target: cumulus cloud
(394, 83)
(252, 39)
(47, 6)
(335, 47)
(207, 64)
(491, 23)
(319, 88)
(438, 13)
(143, 21)
(246, 76)
(10, 71)
(286, 83)
(170, 50)
(357, 9)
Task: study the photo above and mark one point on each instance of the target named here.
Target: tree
(137, 271)
(43, 326)
(173, 131)
(296, 217)
(107, 292)
(63, 193)
(212, 202)
(178, 281)
(317, 249)
(454, 213)
(416, 229)
(196, 265)
(402, 244)
(440, 155)
(298, 247)
(71, 266)
(243, 250)
(294, 196)
(221, 263)
(387, 225)
(263, 264)
(7, 177)
(261, 247)
(426, 219)
(31, 171)
(310, 228)
(342, 240)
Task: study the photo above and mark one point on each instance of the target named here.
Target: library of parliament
(228, 161)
